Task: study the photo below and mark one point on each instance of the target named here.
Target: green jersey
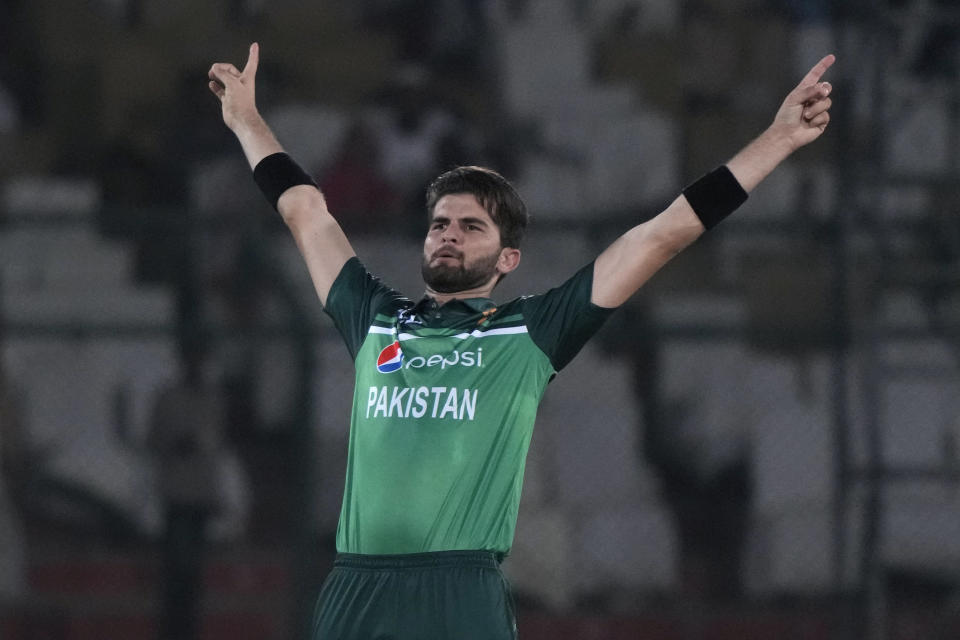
(444, 407)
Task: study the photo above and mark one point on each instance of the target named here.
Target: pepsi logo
(390, 359)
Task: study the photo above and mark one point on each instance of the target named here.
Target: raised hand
(804, 114)
(237, 90)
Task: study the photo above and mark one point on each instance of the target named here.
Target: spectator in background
(446, 35)
(143, 183)
(356, 192)
(186, 436)
(411, 136)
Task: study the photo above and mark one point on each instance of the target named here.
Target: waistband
(432, 559)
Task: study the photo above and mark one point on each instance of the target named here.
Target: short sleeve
(355, 299)
(563, 319)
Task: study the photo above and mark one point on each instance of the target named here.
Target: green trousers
(445, 595)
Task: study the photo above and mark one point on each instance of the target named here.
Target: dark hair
(492, 191)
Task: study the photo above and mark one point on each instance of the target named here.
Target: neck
(443, 298)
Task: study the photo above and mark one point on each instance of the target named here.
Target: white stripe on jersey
(476, 333)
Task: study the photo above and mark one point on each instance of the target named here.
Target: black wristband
(276, 173)
(715, 196)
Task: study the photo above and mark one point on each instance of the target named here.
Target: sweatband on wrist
(276, 173)
(715, 196)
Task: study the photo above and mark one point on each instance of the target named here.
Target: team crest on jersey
(390, 359)
(406, 316)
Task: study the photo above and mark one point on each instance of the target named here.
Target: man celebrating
(447, 388)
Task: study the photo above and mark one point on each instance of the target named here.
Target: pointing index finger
(253, 61)
(814, 75)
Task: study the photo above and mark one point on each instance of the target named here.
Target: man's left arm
(639, 253)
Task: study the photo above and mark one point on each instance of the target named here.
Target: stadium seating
(93, 351)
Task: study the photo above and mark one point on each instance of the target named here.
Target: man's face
(462, 249)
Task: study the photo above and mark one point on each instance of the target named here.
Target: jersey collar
(467, 306)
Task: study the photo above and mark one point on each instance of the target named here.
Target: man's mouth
(447, 253)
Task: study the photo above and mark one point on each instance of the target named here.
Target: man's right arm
(322, 243)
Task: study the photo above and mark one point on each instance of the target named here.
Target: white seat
(536, 73)
(914, 421)
(741, 402)
(919, 143)
(934, 354)
(626, 548)
(34, 244)
(791, 551)
(72, 392)
(917, 413)
(71, 385)
(137, 307)
(792, 433)
(573, 122)
(902, 308)
(634, 161)
(70, 274)
(64, 259)
(591, 466)
(553, 188)
(137, 368)
(540, 563)
(51, 196)
(921, 529)
(589, 424)
(792, 512)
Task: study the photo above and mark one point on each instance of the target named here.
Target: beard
(446, 278)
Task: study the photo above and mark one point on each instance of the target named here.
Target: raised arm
(318, 236)
(639, 253)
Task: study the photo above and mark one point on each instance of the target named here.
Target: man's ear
(508, 261)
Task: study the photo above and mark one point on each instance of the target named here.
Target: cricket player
(447, 385)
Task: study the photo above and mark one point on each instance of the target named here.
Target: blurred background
(762, 443)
